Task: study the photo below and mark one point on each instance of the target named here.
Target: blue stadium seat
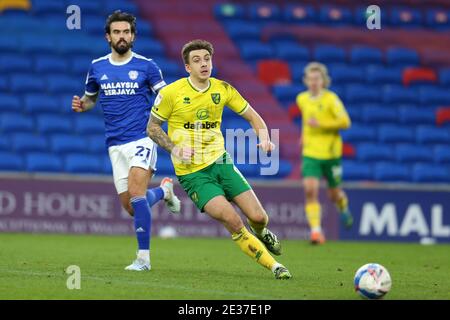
(438, 19)
(358, 92)
(396, 94)
(41, 103)
(169, 67)
(346, 73)
(16, 122)
(430, 173)
(4, 86)
(66, 143)
(96, 144)
(366, 55)
(91, 7)
(300, 14)
(353, 170)
(47, 6)
(287, 94)
(335, 15)
(388, 171)
(26, 83)
(428, 134)
(254, 50)
(406, 17)
(413, 115)
(354, 111)
(442, 153)
(395, 134)
(53, 124)
(50, 63)
(402, 57)
(297, 70)
(373, 113)
(92, 24)
(8, 44)
(30, 44)
(126, 6)
(15, 63)
(430, 96)
(240, 30)
(58, 83)
(264, 12)
(371, 152)
(383, 75)
(10, 161)
(83, 163)
(291, 52)
(444, 77)
(28, 142)
(89, 124)
(329, 54)
(359, 133)
(79, 65)
(5, 143)
(10, 103)
(149, 48)
(225, 11)
(43, 162)
(413, 153)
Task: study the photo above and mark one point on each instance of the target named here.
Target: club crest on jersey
(215, 97)
(133, 74)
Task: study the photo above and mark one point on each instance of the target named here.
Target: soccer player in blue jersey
(123, 83)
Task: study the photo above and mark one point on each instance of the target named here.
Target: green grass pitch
(33, 267)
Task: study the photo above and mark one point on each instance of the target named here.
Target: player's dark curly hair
(195, 45)
(120, 16)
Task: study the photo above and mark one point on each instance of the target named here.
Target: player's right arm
(84, 103)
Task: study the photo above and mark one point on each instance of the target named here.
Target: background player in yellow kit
(323, 116)
(193, 108)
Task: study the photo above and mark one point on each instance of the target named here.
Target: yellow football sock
(342, 203)
(258, 227)
(251, 246)
(313, 214)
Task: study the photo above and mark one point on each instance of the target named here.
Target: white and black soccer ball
(372, 281)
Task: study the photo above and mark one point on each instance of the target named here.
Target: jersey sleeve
(163, 106)
(91, 86)
(235, 101)
(337, 108)
(155, 77)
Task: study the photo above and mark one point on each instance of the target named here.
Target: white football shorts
(141, 153)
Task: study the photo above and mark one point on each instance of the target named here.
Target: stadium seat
(442, 115)
(361, 55)
(254, 50)
(273, 72)
(43, 162)
(242, 30)
(149, 48)
(383, 75)
(406, 17)
(5, 143)
(419, 75)
(96, 144)
(79, 65)
(346, 73)
(264, 12)
(53, 124)
(429, 96)
(58, 83)
(353, 170)
(428, 134)
(30, 44)
(15, 122)
(291, 52)
(444, 77)
(395, 134)
(93, 7)
(28, 142)
(388, 171)
(370, 152)
(65, 143)
(14, 63)
(396, 94)
(442, 153)
(430, 173)
(402, 57)
(373, 113)
(354, 111)
(329, 54)
(413, 115)
(334, 15)
(10, 161)
(47, 6)
(89, 124)
(50, 64)
(348, 150)
(41, 103)
(70, 46)
(355, 93)
(438, 19)
(126, 6)
(10, 103)
(26, 83)
(82, 163)
(359, 133)
(287, 94)
(300, 14)
(413, 153)
(225, 11)
(297, 70)
(8, 44)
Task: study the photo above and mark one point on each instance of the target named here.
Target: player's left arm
(260, 128)
(340, 120)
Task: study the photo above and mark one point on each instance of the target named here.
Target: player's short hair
(120, 16)
(197, 44)
(320, 67)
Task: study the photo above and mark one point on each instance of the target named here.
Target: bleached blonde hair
(320, 67)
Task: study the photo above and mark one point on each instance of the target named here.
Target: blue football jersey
(125, 92)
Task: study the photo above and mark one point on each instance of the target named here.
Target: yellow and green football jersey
(194, 118)
(320, 143)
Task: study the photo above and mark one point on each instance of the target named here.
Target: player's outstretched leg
(164, 191)
(338, 196)
(220, 209)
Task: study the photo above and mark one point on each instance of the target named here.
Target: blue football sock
(154, 195)
(142, 221)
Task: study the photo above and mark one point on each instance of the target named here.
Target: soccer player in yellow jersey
(323, 116)
(193, 108)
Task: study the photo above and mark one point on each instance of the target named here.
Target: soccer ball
(372, 281)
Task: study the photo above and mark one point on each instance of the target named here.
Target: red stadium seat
(348, 151)
(419, 75)
(442, 115)
(294, 112)
(273, 72)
